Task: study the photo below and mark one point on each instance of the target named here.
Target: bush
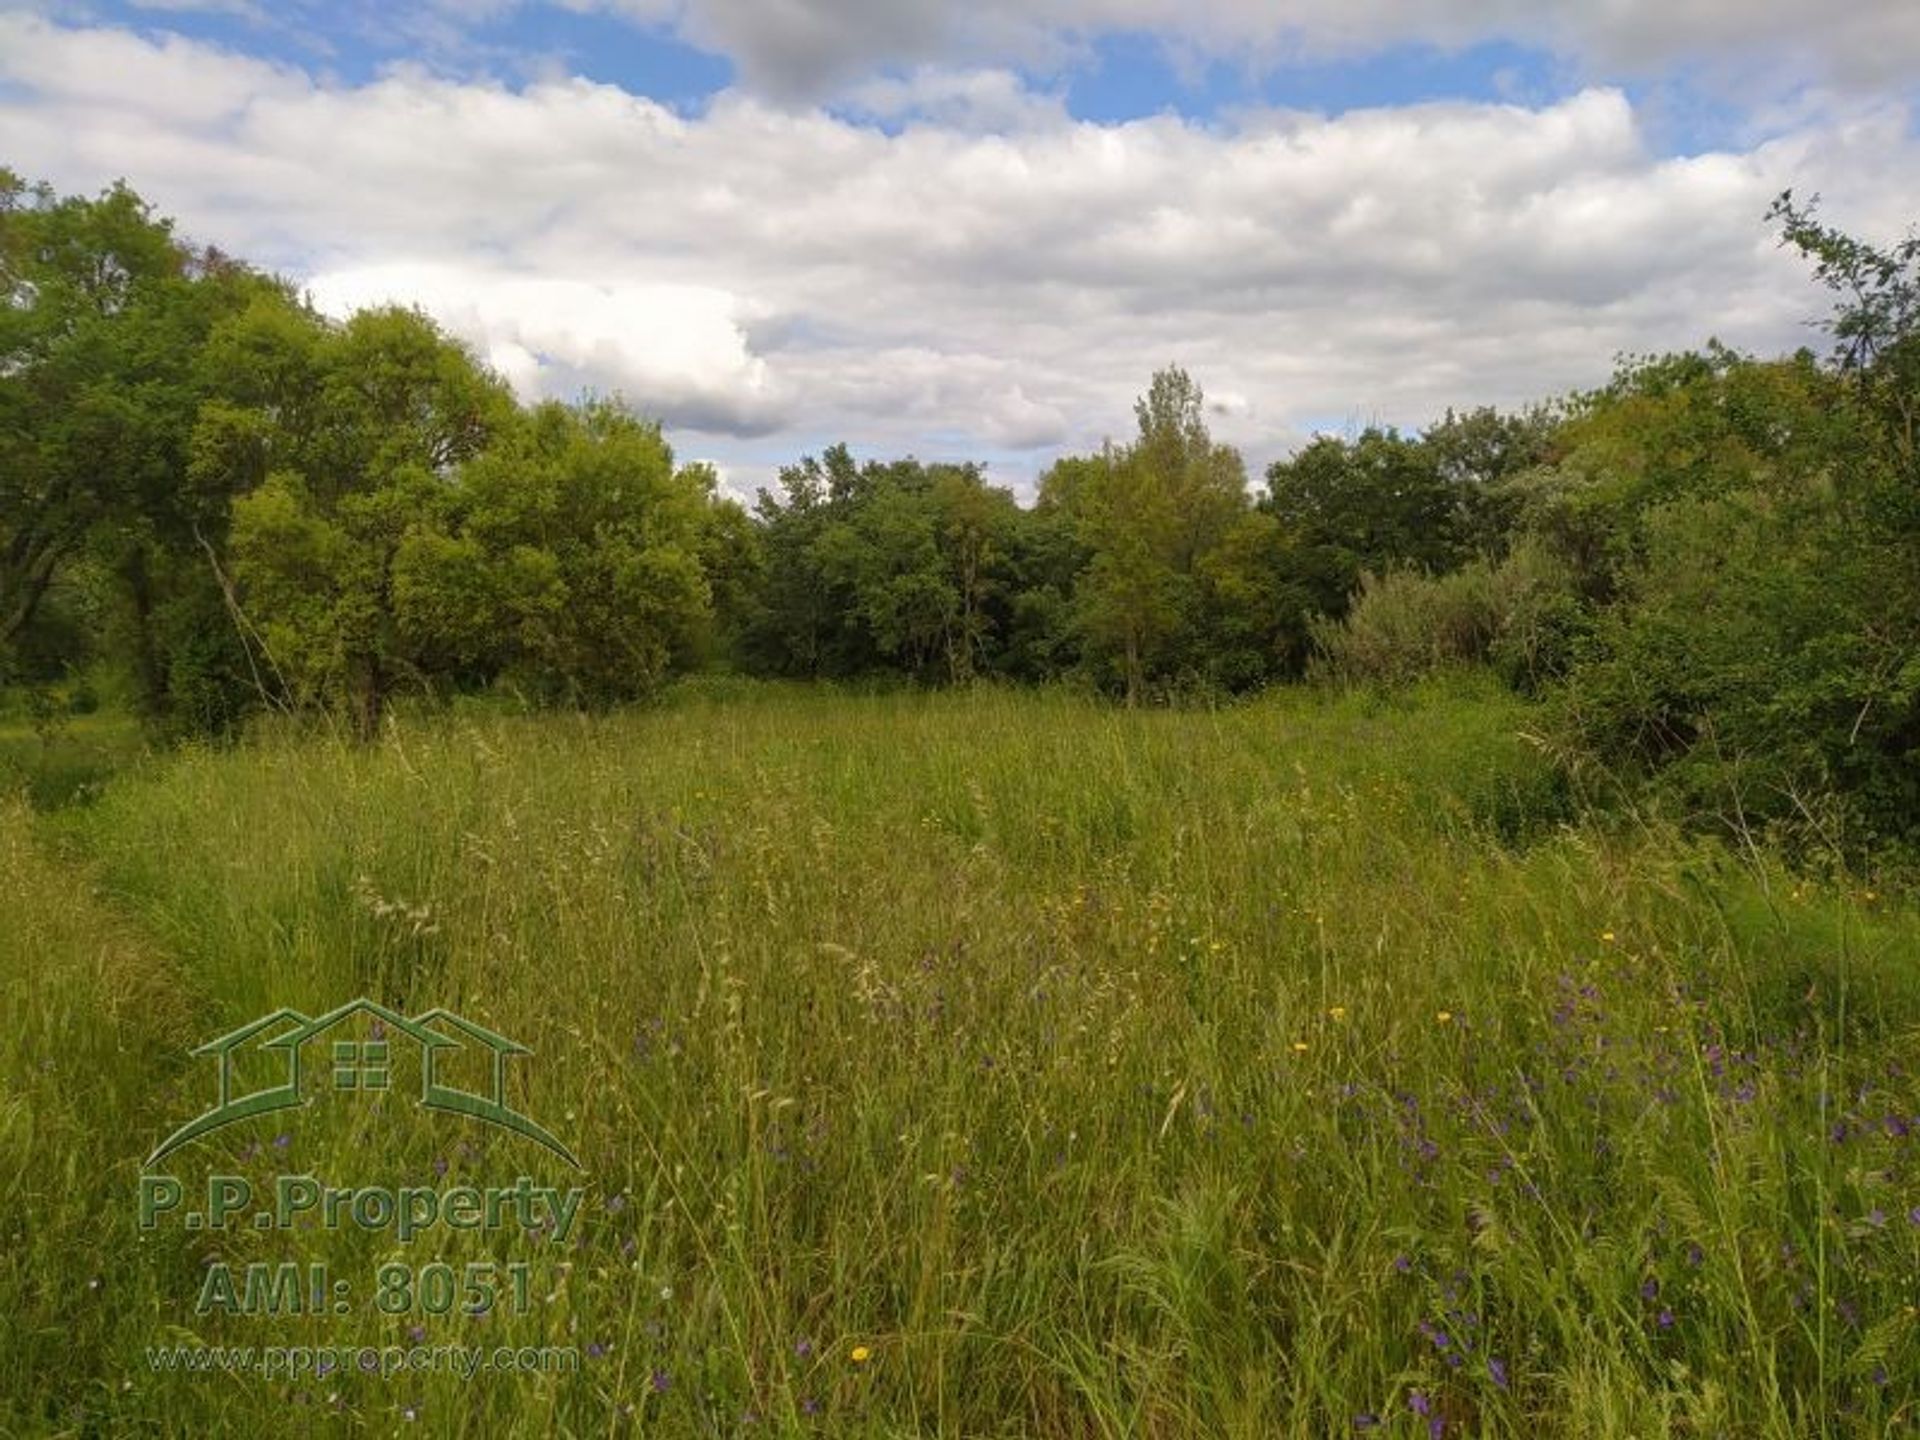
(1520, 615)
(1762, 656)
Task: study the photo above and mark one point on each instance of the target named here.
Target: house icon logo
(294, 1042)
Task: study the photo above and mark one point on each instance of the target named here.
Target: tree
(1149, 516)
(96, 330)
(358, 430)
(1876, 323)
(1369, 504)
(568, 555)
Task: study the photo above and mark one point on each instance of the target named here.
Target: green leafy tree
(357, 430)
(1876, 319)
(568, 555)
(1150, 516)
(1374, 503)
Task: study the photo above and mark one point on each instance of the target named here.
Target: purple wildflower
(661, 1381)
(1497, 1368)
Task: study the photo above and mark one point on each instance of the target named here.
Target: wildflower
(1419, 1404)
(1338, 1012)
(1606, 937)
(861, 1354)
(1299, 1047)
(597, 1350)
(1664, 1319)
(661, 1380)
(1497, 1368)
(1366, 1421)
(1649, 1288)
(1445, 1017)
(802, 1348)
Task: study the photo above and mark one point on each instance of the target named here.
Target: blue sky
(973, 231)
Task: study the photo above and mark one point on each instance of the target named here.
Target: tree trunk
(136, 572)
(366, 698)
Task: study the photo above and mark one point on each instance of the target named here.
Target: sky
(972, 231)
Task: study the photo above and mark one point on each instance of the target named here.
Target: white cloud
(957, 289)
(807, 48)
(681, 347)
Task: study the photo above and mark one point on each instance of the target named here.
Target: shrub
(1520, 614)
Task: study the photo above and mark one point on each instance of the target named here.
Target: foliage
(1519, 614)
(1163, 526)
(902, 566)
(384, 409)
(569, 556)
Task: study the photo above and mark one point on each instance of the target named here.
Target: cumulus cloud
(957, 289)
(807, 48)
(682, 347)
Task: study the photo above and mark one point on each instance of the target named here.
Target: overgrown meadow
(986, 1063)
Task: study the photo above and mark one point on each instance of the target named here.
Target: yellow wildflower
(861, 1354)
(1445, 1017)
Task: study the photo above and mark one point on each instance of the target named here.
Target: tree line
(221, 501)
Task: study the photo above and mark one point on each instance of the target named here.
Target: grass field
(990, 1065)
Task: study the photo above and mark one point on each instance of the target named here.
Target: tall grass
(1267, 1071)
